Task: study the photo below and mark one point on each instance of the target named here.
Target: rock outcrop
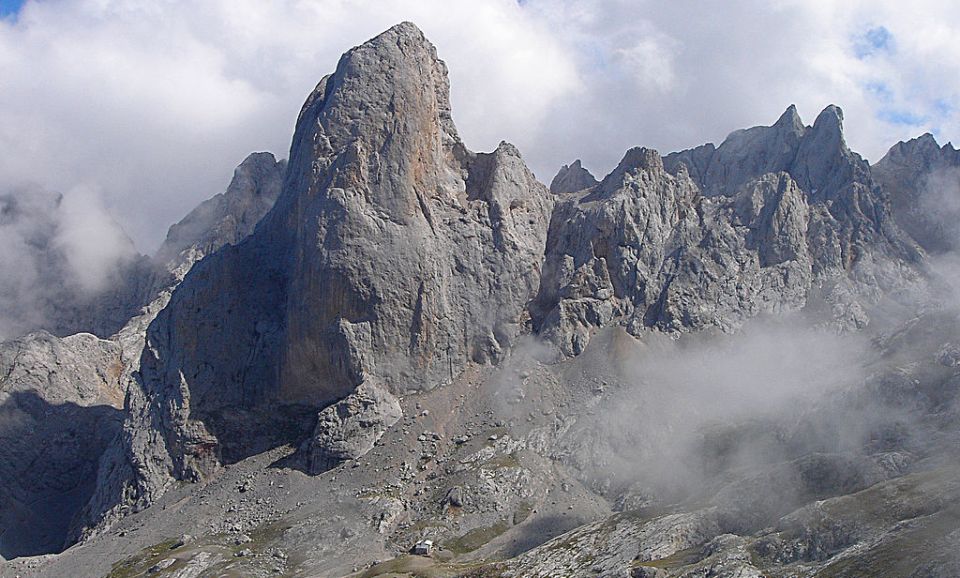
(226, 218)
(348, 429)
(60, 406)
(393, 257)
(773, 219)
(572, 178)
(922, 180)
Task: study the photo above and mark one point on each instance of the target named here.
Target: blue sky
(8, 7)
(875, 40)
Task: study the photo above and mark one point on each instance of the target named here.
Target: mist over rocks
(704, 364)
(923, 182)
(73, 388)
(75, 269)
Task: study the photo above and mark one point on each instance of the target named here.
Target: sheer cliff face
(773, 218)
(403, 243)
(393, 257)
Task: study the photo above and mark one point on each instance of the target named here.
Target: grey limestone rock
(923, 182)
(393, 257)
(387, 259)
(221, 221)
(572, 178)
(60, 407)
(226, 218)
(772, 220)
(348, 429)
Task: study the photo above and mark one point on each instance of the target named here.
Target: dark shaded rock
(922, 180)
(60, 402)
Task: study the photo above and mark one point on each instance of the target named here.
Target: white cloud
(155, 102)
(89, 239)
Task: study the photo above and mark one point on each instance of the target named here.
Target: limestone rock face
(572, 178)
(772, 218)
(923, 182)
(223, 220)
(816, 157)
(228, 217)
(393, 257)
(60, 406)
(349, 428)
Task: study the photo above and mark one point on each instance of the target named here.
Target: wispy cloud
(155, 103)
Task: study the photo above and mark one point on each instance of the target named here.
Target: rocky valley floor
(506, 472)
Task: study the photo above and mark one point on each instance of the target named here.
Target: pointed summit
(749, 153)
(392, 259)
(572, 178)
(790, 120)
(388, 96)
(830, 121)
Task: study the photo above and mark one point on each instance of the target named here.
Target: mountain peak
(830, 119)
(572, 178)
(790, 119)
(388, 96)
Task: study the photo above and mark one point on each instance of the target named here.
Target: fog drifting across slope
(759, 422)
(665, 427)
(54, 250)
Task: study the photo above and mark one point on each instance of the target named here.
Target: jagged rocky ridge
(395, 261)
(391, 244)
(771, 220)
(921, 179)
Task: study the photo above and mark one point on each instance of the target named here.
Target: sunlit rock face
(393, 257)
(770, 220)
(391, 299)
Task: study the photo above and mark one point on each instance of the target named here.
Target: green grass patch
(138, 564)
